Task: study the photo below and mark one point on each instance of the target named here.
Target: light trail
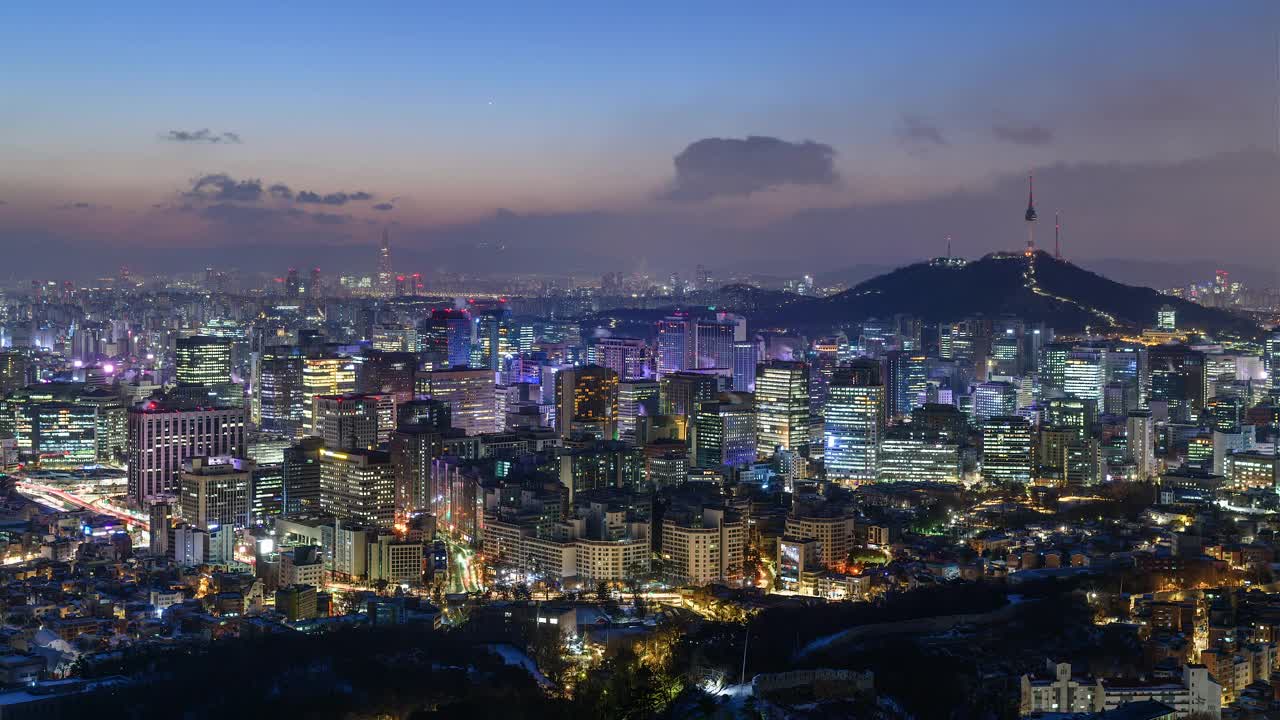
(128, 519)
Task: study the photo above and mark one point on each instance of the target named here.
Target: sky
(585, 137)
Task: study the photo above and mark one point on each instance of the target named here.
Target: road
(37, 489)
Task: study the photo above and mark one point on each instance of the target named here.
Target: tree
(602, 591)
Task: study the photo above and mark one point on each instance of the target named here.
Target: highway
(36, 489)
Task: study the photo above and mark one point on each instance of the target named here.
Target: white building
(1196, 692)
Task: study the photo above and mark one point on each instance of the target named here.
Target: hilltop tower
(1030, 217)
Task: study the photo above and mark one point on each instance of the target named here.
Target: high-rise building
(387, 373)
(714, 339)
(1140, 435)
(447, 336)
(470, 396)
(346, 422)
(746, 355)
(636, 398)
(1270, 358)
(919, 457)
(683, 391)
(162, 436)
(1178, 379)
(413, 447)
(216, 492)
(280, 405)
(202, 360)
(906, 376)
(1085, 373)
(676, 344)
(358, 485)
(854, 421)
(1007, 449)
(782, 407)
(325, 375)
(386, 278)
(1167, 319)
(628, 357)
(15, 368)
(63, 434)
(724, 434)
(993, 399)
(704, 546)
(587, 402)
(301, 476)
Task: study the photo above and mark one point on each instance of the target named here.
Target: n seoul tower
(1031, 216)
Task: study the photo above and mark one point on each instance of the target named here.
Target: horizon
(569, 141)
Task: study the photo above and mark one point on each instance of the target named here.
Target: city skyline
(571, 138)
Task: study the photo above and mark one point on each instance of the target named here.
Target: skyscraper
(636, 398)
(714, 339)
(162, 436)
(676, 344)
(203, 361)
(992, 399)
(724, 434)
(280, 403)
(854, 421)
(470, 396)
(587, 402)
(358, 485)
(1140, 435)
(346, 422)
(628, 357)
(386, 278)
(1007, 449)
(746, 355)
(782, 407)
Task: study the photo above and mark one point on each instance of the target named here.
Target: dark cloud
(280, 191)
(380, 206)
(337, 198)
(203, 135)
(1028, 135)
(220, 187)
(715, 167)
(920, 135)
(81, 206)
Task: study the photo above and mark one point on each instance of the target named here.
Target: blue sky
(457, 110)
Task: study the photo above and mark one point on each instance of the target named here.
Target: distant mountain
(1039, 289)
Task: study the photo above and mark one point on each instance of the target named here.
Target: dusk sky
(595, 136)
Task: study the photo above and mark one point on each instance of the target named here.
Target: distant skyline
(580, 137)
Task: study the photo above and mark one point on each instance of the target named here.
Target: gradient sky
(567, 117)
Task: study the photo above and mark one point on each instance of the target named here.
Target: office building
(724, 435)
(918, 457)
(994, 399)
(587, 402)
(676, 344)
(683, 392)
(358, 485)
(1140, 436)
(782, 407)
(163, 436)
(628, 357)
(746, 356)
(636, 399)
(280, 405)
(1007, 449)
(346, 422)
(301, 476)
(469, 395)
(63, 434)
(216, 492)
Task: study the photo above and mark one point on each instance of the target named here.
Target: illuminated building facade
(64, 433)
(854, 422)
(469, 395)
(587, 402)
(358, 485)
(162, 437)
(1007, 449)
(216, 492)
(782, 407)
